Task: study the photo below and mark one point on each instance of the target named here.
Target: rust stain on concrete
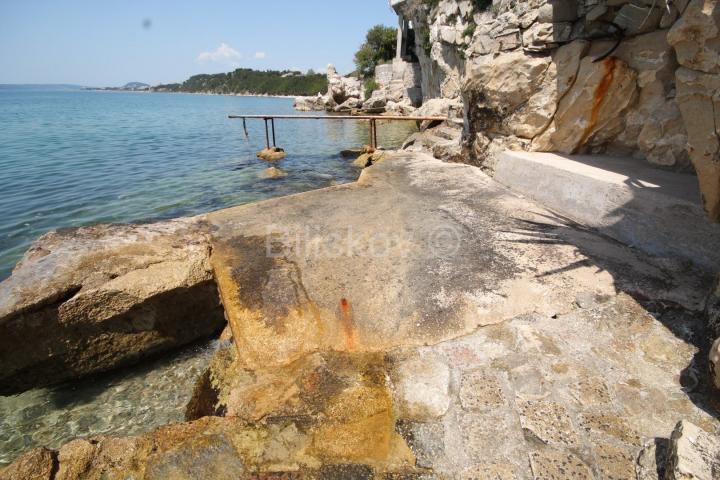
(348, 325)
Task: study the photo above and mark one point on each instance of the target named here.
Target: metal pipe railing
(372, 119)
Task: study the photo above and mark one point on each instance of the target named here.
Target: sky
(110, 43)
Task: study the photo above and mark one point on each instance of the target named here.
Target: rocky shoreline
(426, 321)
(321, 378)
(97, 298)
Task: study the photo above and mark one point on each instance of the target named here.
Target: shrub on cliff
(379, 47)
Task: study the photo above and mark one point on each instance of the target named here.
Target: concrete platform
(657, 211)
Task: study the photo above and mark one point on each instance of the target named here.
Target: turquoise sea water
(72, 157)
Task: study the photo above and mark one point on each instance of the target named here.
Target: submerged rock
(272, 154)
(273, 172)
(90, 299)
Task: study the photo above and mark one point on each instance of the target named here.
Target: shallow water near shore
(70, 158)
(74, 157)
(126, 402)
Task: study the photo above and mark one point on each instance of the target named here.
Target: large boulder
(310, 104)
(696, 39)
(593, 110)
(696, 36)
(693, 454)
(340, 88)
(698, 96)
(91, 299)
(440, 107)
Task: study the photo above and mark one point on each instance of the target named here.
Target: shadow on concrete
(687, 324)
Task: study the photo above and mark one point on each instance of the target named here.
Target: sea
(71, 157)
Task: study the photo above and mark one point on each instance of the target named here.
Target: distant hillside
(244, 80)
(135, 86)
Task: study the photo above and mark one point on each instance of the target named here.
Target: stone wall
(400, 91)
(626, 77)
(384, 74)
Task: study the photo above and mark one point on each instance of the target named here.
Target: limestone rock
(593, 107)
(272, 154)
(38, 464)
(714, 359)
(364, 160)
(546, 36)
(273, 172)
(440, 107)
(376, 102)
(712, 312)
(696, 36)
(533, 117)
(421, 388)
(497, 87)
(698, 96)
(693, 454)
(95, 298)
(712, 309)
(635, 19)
(341, 89)
(310, 104)
(348, 105)
(653, 125)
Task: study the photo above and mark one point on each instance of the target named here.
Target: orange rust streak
(609, 64)
(347, 323)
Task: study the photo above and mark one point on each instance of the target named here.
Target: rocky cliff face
(628, 77)
(343, 95)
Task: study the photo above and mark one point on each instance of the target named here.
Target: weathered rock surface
(94, 298)
(344, 94)
(423, 323)
(38, 464)
(271, 154)
(399, 85)
(693, 454)
(341, 89)
(310, 104)
(528, 74)
(712, 313)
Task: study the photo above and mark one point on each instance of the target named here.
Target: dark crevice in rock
(55, 464)
(205, 399)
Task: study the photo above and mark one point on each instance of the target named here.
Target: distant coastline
(119, 90)
(241, 82)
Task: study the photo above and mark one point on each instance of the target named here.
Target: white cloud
(260, 55)
(223, 54)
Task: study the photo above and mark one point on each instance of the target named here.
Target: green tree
(379, 47)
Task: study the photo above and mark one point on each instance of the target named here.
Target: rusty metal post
(370, 133)
(267, 135)
(375, 143)
(272, 122)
